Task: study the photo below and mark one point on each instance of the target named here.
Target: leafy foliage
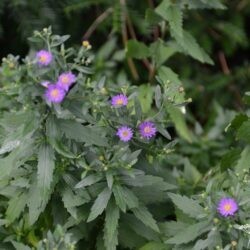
(66, 179)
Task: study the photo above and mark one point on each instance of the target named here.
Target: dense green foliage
(68, 182)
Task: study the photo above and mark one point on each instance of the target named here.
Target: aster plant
(79, 150)
(88, 161)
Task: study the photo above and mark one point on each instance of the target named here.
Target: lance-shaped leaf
(100, 204)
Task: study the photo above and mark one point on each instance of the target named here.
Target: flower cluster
(55, 92)
(147, 129)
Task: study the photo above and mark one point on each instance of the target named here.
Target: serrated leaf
(189, 233)
(111, 226)
(187, 205)
(190, 46)
(15, 206)
(146, 217)
(100, 204)
(37, 200)
(80, 133)
(125, 197)
(137, 49)
(138, 227)
(45, 168)
(173, 14)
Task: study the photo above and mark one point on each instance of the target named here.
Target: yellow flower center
(125, 133)
(54, 93)
(147, 129)
(119, 102)
(43, 58)
(65, 79)
(227, 207)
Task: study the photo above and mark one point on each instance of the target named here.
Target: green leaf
(63, 150)
(191, 174)
(15, 206)
(160, 52)
(37, 200)
(111, 226)
(9, 146)
(158, 96)
(146, 217)
(154, 246)
(187, 205)
(189, 233)
(45, 168)
(229, 160)
(173, 14)
(237, 121)
(20, 246)
(72, 200)
(243, 163)
(146, 180)
(171, 228)
(100, 204)
(179, 122)
(136, 227)
(89, 180)
(125, 197)
(244, 131)
(202, 4)
(80, 133)
(137, 49)
(190, 46)
(145, 96)
(152, 17)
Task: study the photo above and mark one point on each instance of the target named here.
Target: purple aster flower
(44, 57)
(54, 93)
(65, 80)
(45, 84)
(147, 129)
(119, 100)
(125, 133)
(227, 207)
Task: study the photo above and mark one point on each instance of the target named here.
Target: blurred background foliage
(215, 90)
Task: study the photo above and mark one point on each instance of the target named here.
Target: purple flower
(65, 80)
(125, 133)
(44, 57)
(45, 84)
(119, 100)
(54, 93)
(227, 207)
(147, 129)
